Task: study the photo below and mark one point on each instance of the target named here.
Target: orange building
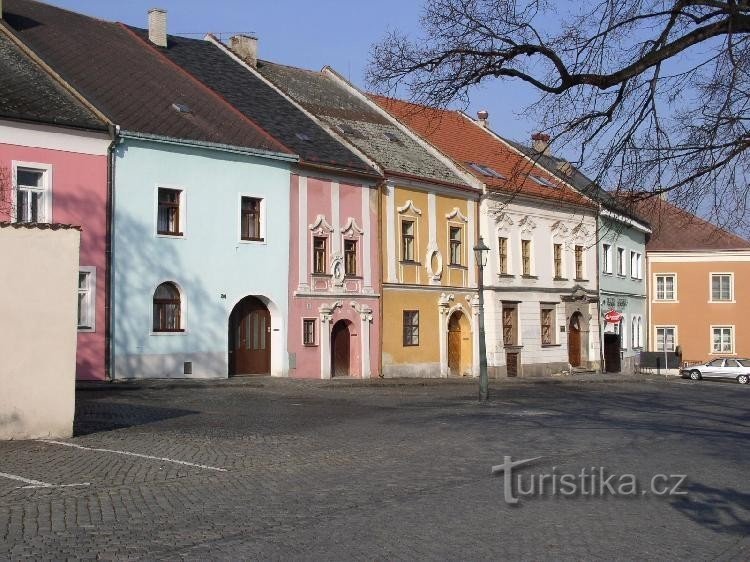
(698, 285)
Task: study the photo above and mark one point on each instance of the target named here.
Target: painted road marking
(39, 484)
(129, 454)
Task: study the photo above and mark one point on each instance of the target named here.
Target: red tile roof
(674, 229)
(466, 142)
(39, 225)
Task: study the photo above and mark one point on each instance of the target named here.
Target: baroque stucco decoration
(409, 205)
(337, 270)
(433, 253)
(456, 212)
(527, 224)
(321, 226)
(351, 228)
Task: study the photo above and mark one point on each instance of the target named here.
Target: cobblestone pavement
(398, 471)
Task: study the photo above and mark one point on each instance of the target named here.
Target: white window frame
(731, 329)
(634, 332)
(607, 258)
(509, 252)
(462, 249)
(624, 332)
(316, 337)
(711, 290)
(532, 264)
(553, 307)
(91, 273)
(621, 271)
(46, 170)
(635, 265)
(674, 285)
(584, 269)
(656, 337)
(563, 269)
(183, 211)
(263, 215)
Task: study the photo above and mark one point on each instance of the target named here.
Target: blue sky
(312, 34)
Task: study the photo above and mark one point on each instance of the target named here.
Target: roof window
(181, 108)
(303, 137)
(392, 137)
(542, 181)
(486, 171)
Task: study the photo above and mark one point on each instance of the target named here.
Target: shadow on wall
(142, 262)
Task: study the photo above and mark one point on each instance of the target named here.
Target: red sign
(613, 317)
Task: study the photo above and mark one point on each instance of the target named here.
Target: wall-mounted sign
(613, 317)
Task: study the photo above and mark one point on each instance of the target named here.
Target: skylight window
(542, 181)
(392, 137)
(181, 108)
(486, 171)
(303, 137)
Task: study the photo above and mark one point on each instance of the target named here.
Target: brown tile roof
(128, 80)
(674, 229)
(460, 138)
(39, 225)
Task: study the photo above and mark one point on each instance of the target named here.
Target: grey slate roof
(127, 79)
(28, 93)
(260, 102)
(331, 102)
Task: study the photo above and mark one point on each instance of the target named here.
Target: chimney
(483, 116)
(540, 143)
(157, 27)
(245, 47)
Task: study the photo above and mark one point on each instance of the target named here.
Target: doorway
(454, 345)
(340, 349)
(250, 338)
(574, 340)
(612, 353)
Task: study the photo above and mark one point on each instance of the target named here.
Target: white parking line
(129, 454)
(37, 483)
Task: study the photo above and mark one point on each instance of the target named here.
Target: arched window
(634, 333)
(640, 332)
(167, 308)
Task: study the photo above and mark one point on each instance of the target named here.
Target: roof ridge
(211, 91)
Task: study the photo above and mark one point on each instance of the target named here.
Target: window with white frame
(620, 261)
(502, 255)
(636, 267)
(86, 299)
(548, 324)
(32, 193)
(578, 255)
(666, 336)
(640, 332)
(634, 332)
(666, 287)
(624, 332)
(721, 287)
(722, 339)
(251, 219)
(169, 212)
(607, 258)
(526, 257)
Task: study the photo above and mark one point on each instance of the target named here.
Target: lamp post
(480, 255)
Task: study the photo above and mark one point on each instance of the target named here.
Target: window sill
(529, 277)
(321, 275)
(655, 301)
(410, 345)
(309, 345)
(579, 280)
(722, 302)
(551, 345)
(559, 278)
(355, 277)
(170, 333)
(86, 330)
(257, 241)
(179, 235)
(457, 266)
(506, 276)
(409, 262)
(723, 353)
(610, 273)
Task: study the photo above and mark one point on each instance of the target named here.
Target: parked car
(720, 368)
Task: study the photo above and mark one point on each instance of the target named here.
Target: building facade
(53, 168)
(540, 278)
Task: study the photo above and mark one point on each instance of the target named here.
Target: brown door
(574, 340)
(250, 338)
(454, 346)
(612, 353)
(340, 349)
(511, 362)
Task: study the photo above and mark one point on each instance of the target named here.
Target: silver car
(720, 368)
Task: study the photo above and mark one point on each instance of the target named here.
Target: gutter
(211, 145)
(622, 218)
(108, 277)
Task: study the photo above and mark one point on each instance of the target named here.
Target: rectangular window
(723, 339)
(250, 219)
(633, 265)
(665, 287)
(721, 287)
(86, 288)
(411, 328)
(308, 331)
(620, 261)
(510, 323)
(526, 257)
(350, 257)
(557, 251)
(319, 255)
(548, 325)
(455, 243)
(665, 334)
(168, 217)
(407, 240)
(579, 262)
(31, 194)
(607, 258)
(502, 255)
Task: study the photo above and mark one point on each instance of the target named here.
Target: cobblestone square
(282, 469)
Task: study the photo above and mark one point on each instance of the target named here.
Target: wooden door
(612, 353)
(340, 352)
(454, 346)
(511, 362)
(250, 338)
(574, 340)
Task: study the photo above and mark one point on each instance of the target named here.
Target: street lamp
(480, 256)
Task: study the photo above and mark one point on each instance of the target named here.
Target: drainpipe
(108, 352)
(381, 308)
(599, 326)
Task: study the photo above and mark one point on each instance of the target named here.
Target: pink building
(334, 304)
(53, 168)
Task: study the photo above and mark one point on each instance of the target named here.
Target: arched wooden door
(340, 352)
(454, 345)
(250, 338)
(574, 340)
